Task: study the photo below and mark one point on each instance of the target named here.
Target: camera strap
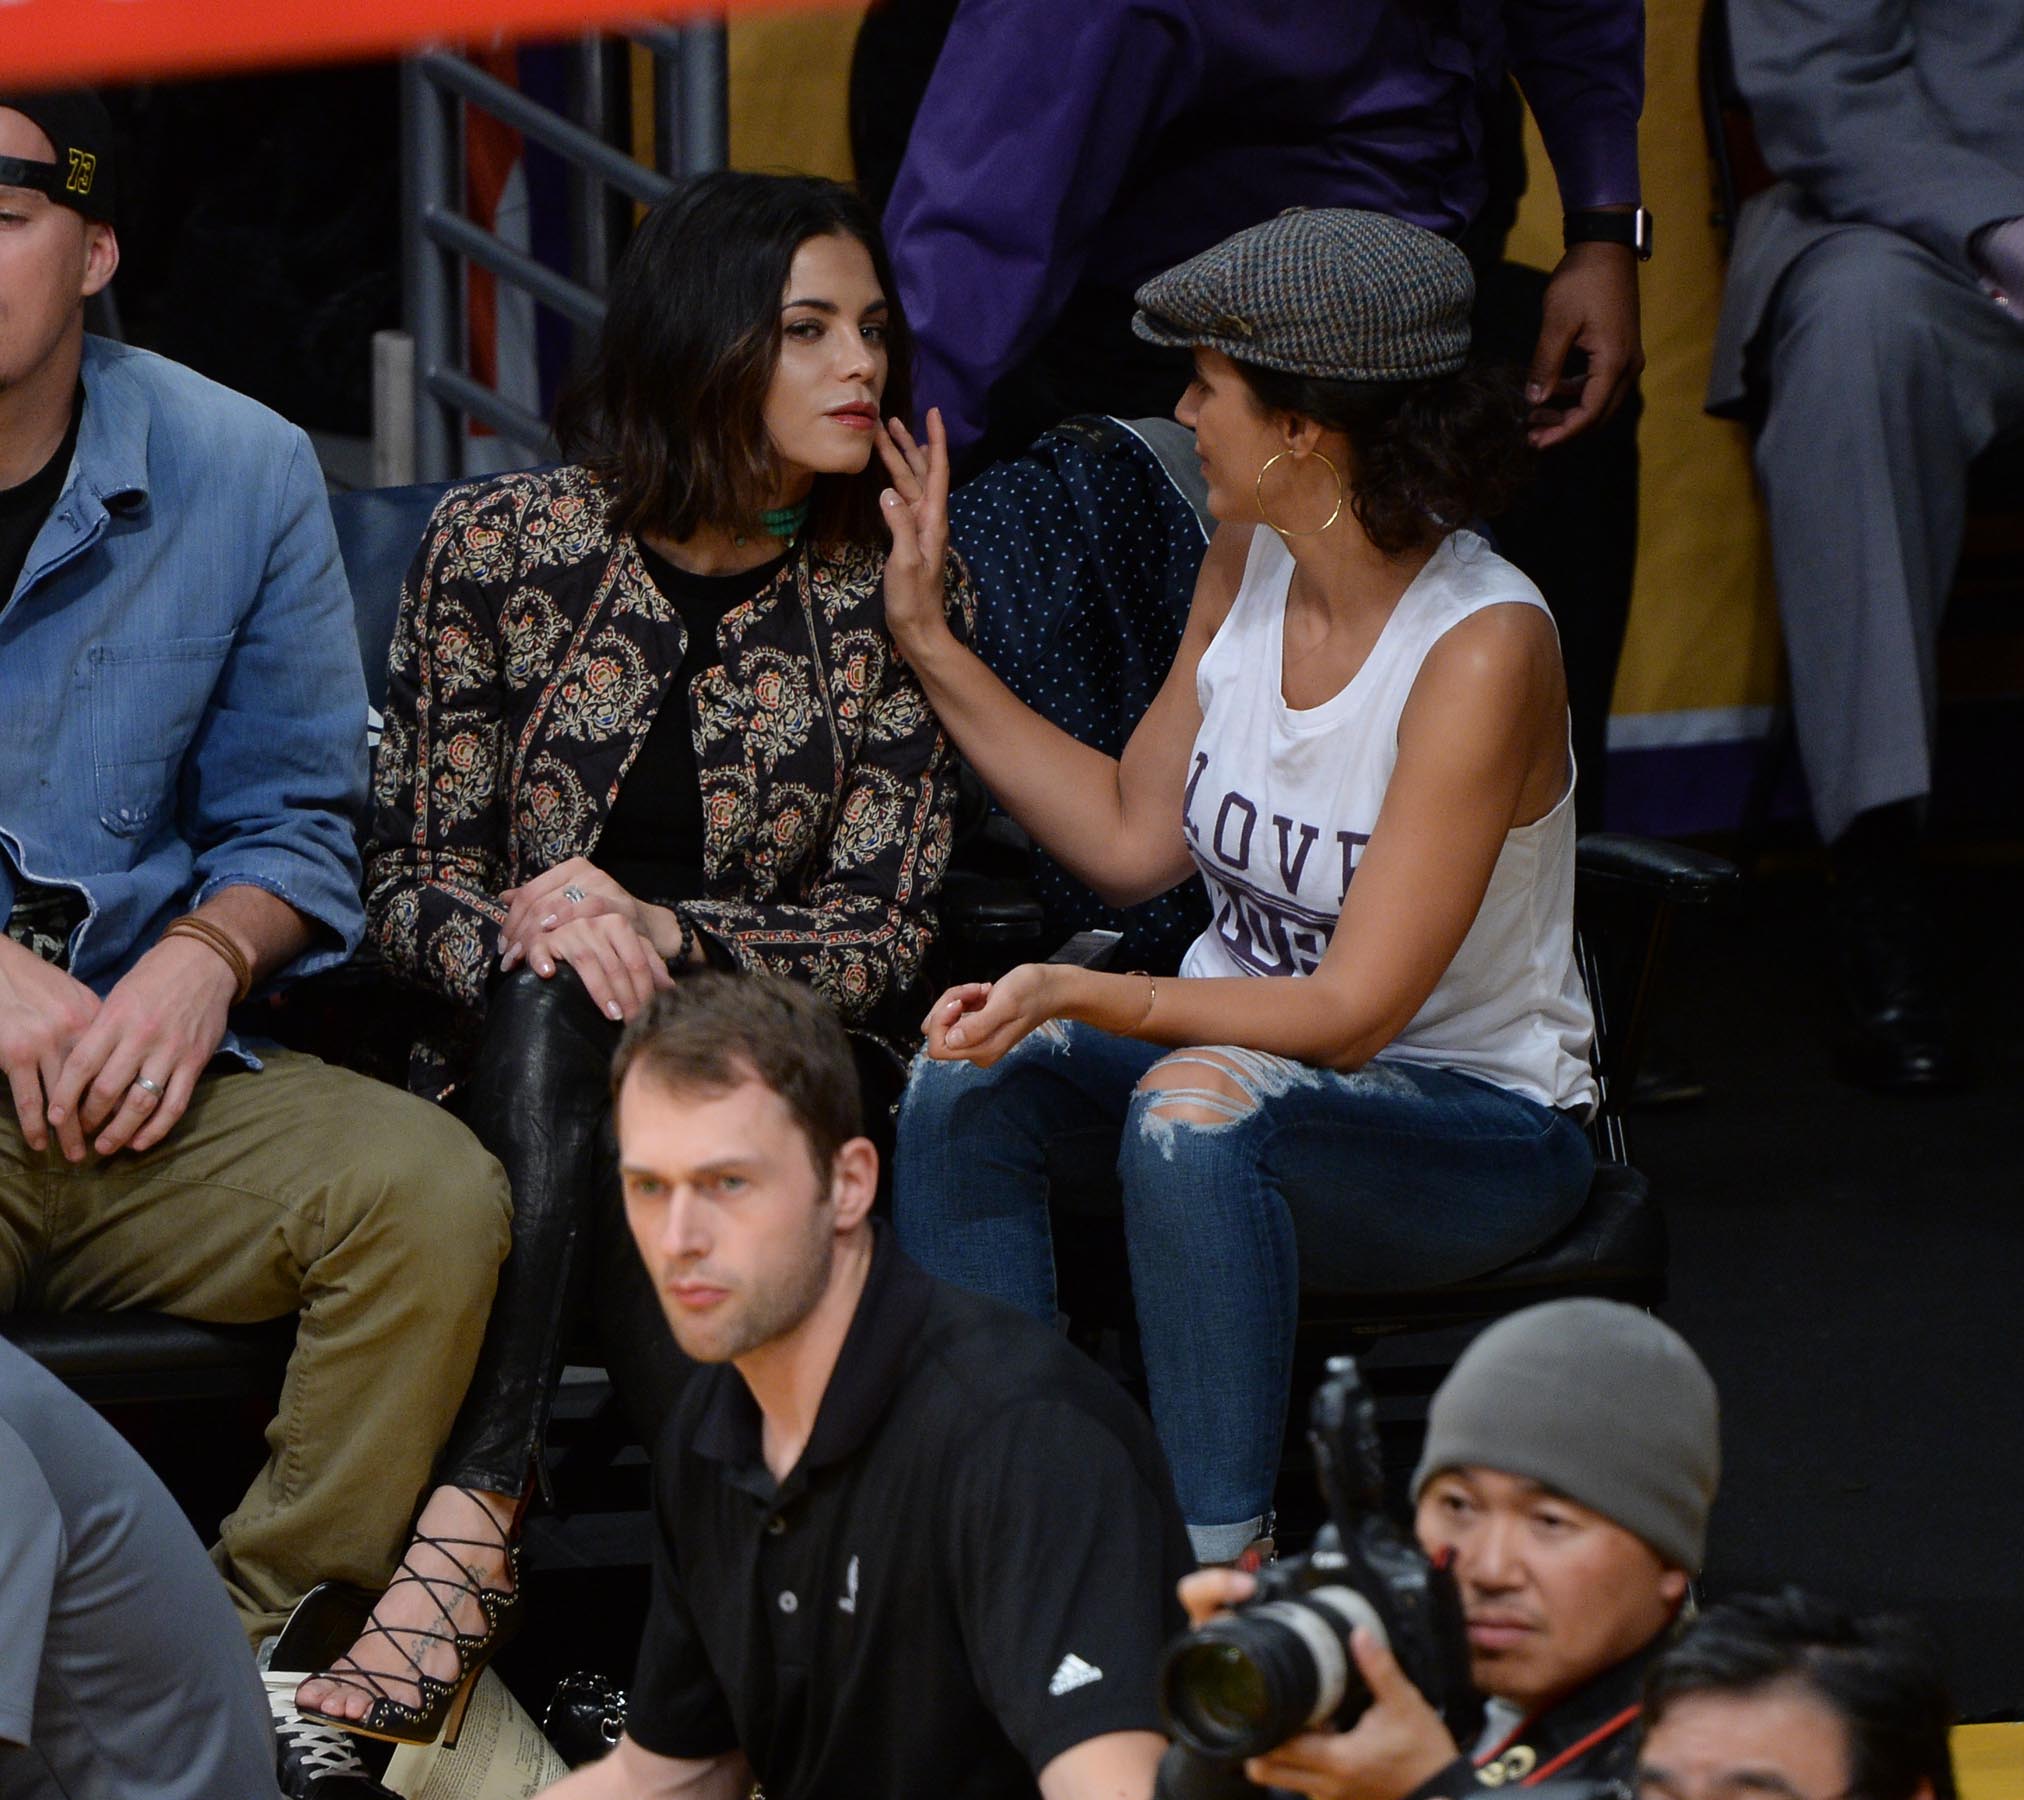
(1515, 1764)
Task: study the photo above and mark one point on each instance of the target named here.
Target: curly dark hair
(668, 413)
(1429, 455)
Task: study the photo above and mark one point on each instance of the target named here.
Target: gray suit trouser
(1889, 372)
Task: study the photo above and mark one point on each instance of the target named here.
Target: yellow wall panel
(789, 88)
(1989, 1761)
(1703, 624)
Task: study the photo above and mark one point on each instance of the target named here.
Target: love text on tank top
(1276, 884)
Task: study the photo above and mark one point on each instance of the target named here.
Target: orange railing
(53, 42)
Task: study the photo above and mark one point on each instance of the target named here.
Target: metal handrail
(457, 389)
(691, 93)
(570, 142)
(490, 251)
(440, 243)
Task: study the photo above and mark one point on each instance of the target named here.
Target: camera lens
(1219, 1697)
(1223, 1687)
(1250, 1679)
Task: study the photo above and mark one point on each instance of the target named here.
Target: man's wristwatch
(1632, 229)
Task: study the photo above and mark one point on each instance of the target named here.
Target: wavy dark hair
(1430, 455)
(668, 412)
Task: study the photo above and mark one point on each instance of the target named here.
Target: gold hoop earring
(1341, 494)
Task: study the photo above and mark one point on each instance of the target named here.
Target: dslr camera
(1280, 1663)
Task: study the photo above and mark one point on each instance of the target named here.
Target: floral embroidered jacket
(530, 656)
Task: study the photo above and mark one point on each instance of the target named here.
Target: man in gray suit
(1874, 322)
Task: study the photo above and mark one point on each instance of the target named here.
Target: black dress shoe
(1899, 1033)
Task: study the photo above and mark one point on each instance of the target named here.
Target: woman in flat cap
(1372, 1068)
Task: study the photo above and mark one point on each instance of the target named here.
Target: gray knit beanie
(1598, 1401)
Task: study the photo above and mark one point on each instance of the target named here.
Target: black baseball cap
(77, 123)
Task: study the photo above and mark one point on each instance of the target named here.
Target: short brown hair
(668, 414)
(712, 1032)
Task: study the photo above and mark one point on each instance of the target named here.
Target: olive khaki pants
(298, 1188)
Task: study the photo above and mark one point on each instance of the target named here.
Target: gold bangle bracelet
(1152, 1000)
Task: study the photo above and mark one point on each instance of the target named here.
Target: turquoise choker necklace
(784, 522)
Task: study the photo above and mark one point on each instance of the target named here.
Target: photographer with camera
(1571, 1458)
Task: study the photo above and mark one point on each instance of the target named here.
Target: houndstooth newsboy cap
(1323, 291)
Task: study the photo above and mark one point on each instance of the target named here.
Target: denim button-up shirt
(181, 702)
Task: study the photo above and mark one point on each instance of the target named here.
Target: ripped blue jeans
(1245, 1177)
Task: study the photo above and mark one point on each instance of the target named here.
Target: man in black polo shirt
(910, 1542)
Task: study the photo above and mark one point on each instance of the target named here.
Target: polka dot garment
(1083, 552)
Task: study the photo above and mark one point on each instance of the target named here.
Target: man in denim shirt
(182, 752)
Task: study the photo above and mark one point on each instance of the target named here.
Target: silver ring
(573, 894)
(147, 1086)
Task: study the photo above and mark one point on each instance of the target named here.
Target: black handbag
(584, 1717)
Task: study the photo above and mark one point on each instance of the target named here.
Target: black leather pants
(539, 1100)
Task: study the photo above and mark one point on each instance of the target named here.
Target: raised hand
(916, 509)
(1208, 1592)
(1399, 1743)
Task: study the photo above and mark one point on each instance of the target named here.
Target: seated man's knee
(427, 1184)
(1859, 291)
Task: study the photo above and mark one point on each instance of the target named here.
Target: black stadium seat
(378, 530)
(114, 1359)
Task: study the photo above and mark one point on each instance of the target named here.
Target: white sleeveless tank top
(1280, 803)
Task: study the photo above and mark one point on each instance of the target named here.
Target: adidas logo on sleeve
(1074, 1673)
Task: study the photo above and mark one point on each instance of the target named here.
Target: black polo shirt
(970, 1570)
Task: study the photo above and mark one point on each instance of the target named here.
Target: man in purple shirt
(1067, 150)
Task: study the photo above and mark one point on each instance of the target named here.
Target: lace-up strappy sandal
(442, 1700)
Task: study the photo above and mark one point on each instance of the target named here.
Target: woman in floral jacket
(643, 716)
(532, 658)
